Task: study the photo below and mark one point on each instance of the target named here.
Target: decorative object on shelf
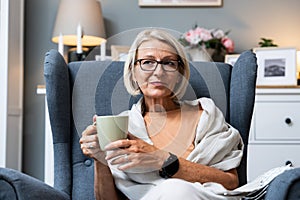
(197, 54)
(276, 66)
(267, 43)
(298, 67)
(231, 58)
(214, 42)
(79, 23)
(164, 3)
(73, 54)
(119, 53)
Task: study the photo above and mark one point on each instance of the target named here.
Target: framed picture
(180, 3)
(119, 53)
(231, 58)
(276, 66)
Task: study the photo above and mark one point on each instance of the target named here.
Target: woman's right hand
(89, 143)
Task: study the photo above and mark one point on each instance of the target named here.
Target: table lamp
(79, 23)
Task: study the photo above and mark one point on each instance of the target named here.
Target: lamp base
(74, 56)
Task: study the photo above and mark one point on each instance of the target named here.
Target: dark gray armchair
(77, 91)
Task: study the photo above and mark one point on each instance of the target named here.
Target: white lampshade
(88, 14)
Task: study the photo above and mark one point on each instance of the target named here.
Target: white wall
(11, 84)
(3, 78)
(248, 20)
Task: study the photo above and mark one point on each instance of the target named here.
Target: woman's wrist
(100, 163)
(170, 166)
(100, 157)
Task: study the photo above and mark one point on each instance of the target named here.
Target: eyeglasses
(151, 65)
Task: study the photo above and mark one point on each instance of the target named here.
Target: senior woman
(175, 149)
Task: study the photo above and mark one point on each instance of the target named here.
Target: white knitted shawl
(217, 144)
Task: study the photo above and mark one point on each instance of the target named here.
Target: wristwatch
(170, 167)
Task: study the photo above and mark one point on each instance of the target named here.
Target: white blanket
(217, 144)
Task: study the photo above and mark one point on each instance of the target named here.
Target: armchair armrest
(285, 186)
(17, 185)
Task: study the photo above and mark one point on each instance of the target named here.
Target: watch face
(170, 167)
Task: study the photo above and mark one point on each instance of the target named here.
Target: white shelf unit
(275, 130)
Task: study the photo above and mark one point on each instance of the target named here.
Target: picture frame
(231, 58)
(178, 3)
(276, 66)
(119, 53)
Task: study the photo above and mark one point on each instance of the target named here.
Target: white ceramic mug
(111, 128)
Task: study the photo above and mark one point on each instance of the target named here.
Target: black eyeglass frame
(158, 62)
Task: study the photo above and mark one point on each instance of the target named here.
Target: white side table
(275, 130)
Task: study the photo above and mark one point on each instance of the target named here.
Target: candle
(298, 63)
(103, 50)
(79, 37)
(61, 44)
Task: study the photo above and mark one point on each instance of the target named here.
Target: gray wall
(248, 20)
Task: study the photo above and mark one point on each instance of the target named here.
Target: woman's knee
(173, 189)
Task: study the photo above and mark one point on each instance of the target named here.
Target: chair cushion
(211, 80)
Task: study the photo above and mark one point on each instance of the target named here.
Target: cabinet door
(262, 157)
(277, 121)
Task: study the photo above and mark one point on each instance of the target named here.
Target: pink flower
(228, 44)
(192, 37)
(199, 37)
(219, 34)
(203, 34)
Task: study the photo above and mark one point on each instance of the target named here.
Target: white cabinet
(275, 130)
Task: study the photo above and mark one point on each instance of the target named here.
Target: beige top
(174, 131)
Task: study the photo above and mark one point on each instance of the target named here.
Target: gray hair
(163, 36)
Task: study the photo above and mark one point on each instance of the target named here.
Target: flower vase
(218, 55)
(198, 54)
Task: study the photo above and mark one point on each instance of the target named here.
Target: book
(258, 187)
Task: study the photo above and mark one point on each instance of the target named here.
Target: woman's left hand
(135, 154)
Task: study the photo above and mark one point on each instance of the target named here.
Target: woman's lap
(179, 189)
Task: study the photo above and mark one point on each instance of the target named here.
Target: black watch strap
(170, 167)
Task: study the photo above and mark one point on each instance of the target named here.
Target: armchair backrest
(78, 90)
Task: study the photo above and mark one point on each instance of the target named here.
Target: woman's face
(158, 83)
